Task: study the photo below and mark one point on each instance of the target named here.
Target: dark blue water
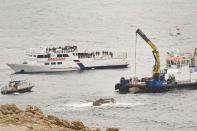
(98, 25)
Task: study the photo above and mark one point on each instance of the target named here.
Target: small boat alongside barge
(183, 66)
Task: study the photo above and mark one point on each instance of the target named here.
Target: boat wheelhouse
(183, 66)
(175, 59)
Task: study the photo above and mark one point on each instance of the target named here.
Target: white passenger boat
(67, 58)
(182, 66)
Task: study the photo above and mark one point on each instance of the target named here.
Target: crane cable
(135, 55)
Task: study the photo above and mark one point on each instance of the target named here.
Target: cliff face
(33, 119)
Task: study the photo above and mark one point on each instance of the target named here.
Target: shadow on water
(69, 72)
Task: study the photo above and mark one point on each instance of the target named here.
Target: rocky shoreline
(32, 118)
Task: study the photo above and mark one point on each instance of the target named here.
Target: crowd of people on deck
(62, 49)
(94, 54)
(67, 49)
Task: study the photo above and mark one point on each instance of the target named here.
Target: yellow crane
(156, 68)
(156, 83)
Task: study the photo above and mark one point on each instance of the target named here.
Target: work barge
(126, 86)
(158, 82)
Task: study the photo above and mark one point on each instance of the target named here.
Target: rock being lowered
(102, 101)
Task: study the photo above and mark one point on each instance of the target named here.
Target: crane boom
(156, 84)
(156, 69)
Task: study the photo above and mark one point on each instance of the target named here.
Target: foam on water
(79, 105)
(16, 93)
(89, 105)
(124, 104)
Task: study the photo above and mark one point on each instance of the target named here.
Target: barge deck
(126, 86)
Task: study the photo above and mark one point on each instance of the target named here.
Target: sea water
(101, 25)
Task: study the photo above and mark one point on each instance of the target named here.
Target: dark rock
(101, 101)
(78, 125)
(112, 129)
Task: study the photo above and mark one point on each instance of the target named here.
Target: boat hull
(23, 90)
(24, 68)
(27, 68)
(108, 67)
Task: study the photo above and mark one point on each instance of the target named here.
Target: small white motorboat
(17, 86)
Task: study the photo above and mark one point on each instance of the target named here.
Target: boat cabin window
(53, 63)
(59, 55)
(43, 56)
(47, 56)
(46, 63)
(178, 64)
(173, 63)
(65, 55)
(62, 55)
(40, 56)
(59, 63)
